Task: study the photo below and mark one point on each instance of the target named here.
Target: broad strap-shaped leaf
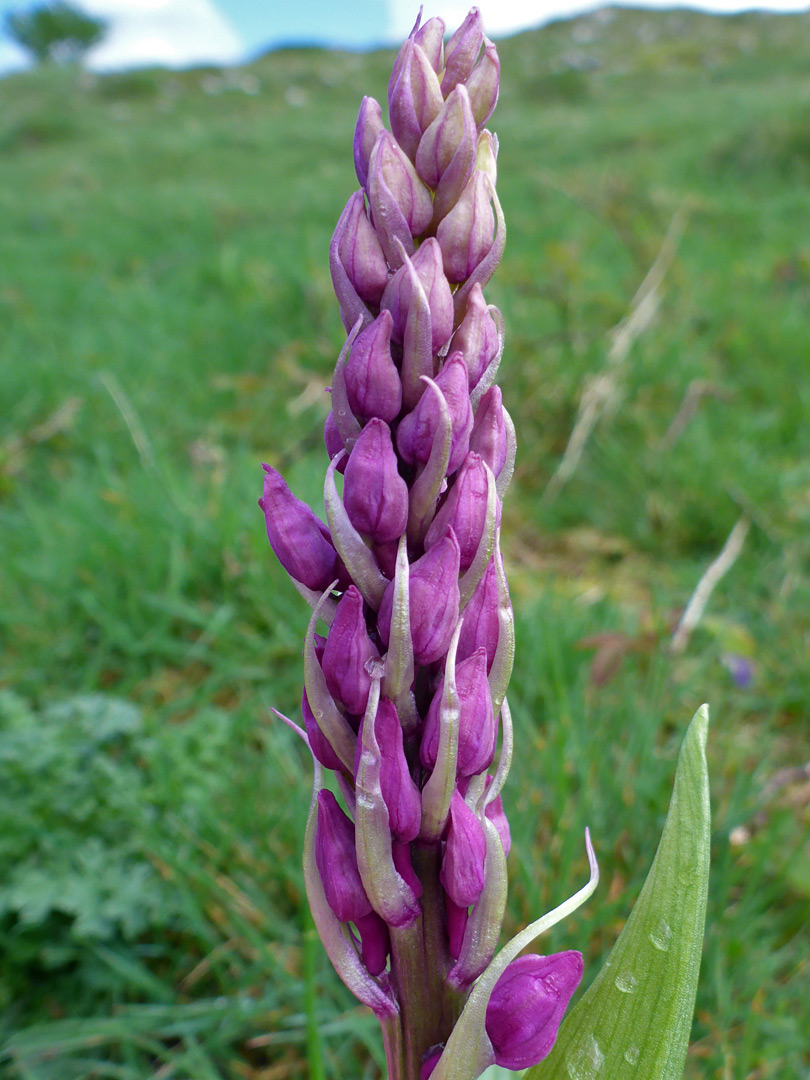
(634, 1021)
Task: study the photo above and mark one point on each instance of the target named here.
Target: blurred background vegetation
(167, 322)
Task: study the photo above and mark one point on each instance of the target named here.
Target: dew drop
(626, 982)
(631, 1055)
(661, 935)
(586, 1062)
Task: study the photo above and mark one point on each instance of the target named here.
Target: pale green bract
(634, 1021)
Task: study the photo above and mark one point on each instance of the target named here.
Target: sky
(181, 33)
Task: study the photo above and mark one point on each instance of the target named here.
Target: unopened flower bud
(465, 509)
(418, 429)
(414, 96)
(486, 156)
(466, 234)
(401, 854)
(446, 156)
(300, 540)
(527, 1006)
(480, 628)
(433, 601)
(497, 815)
(401, 206)
(488, 436)
(477, 336)
(348, 650)
(373, 385)
(375, 942)
(461, 51)
(369, 126)
(318, 742)
(400, 793)
(477, 729)
(456, 925)
(356, 250)
(462, 872)
(374, 494)
(337, 861)
(482, 84)
(430, 37)
(398, 295)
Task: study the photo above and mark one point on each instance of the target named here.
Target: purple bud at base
(300, 540)
(337, 862)
(477, 729)
(348, 650)
(527, 1005)
(464, 510)
(433, 601)
(373, 385)
(374, 494)
(456, 925)
(418, 429)
(333, 441)
(462, 872)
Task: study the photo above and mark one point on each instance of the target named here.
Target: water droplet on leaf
(631, 1055)
(586, 1062)
(661, 935)
(626, 982)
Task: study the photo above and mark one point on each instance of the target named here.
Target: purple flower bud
(333, 441)
(480, 627)
(482, 85)
(462, 872)
(397, 298)
(418, 429)
(477, 729)
(300, 540)
(375, 942)
(400, 793)
(414, 96)
(464, 509)
(401, 206)
(433, 601)
(359, 251)
(369, 126)
(337, 862)
(488, 436)
(373, 385)
(527, 1006)
(374, 494)
(456, 925)
(477, 336)
(466, 234)
(461, 51)
(318, 742)
(431, 38)
(348, 650)
(386, 556)
(451, 132)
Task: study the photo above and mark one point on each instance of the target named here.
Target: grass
(164, 284)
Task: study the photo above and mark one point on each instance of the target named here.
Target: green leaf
(634, 1021)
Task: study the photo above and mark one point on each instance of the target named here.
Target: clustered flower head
(405, 697)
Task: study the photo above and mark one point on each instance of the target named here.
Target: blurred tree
(55, 32)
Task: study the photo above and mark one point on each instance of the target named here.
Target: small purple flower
(464, 510)
(462, 873)
(347, 653)
(488, 436)
(373, 386)
(477, 725)
(527, 1006)
(418, 429)
(398, 295)
(301, 541)
(374, 494)
(476, 337)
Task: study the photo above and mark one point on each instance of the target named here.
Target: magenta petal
(348, 650)
(462, 872)
(464, 510)
(372, 381)
(477, 731)
(527, 1006)
(337, 862)
(375, 942)
(299, 539)
(374, 494)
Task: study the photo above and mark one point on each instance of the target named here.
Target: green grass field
(167, 323)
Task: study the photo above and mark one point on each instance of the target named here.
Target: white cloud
(12, 58)
(174, 33)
